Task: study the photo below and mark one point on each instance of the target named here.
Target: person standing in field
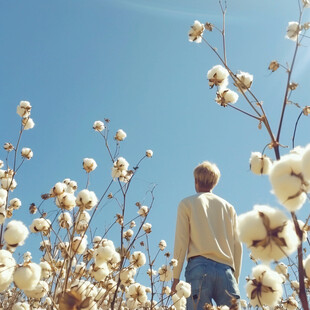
(206, 234)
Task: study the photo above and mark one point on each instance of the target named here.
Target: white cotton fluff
(218, 76)
(253, 233)
(39, 291)
(126, 275)
(15, 203)
(7, 265)
(79, 245)
(271, 292)
(65, 220)
(143, 211)
(165, 273)
(307, 266)
(2, 212)
(196, 31)
(23, 109)
(147, 227)
(15, 233)
(89, 164)
(149, 153)
(292, 31)
(225, 96)
(86, 199)
(179, 302)
(103, 254)
(26, 277)
(8, 184)
(120, 135)
(137, 292)
(66, 201)
(40, 224)
(132, 303)
(137, 259)
(27, 153)
(290, 304)
(85, 288)
(162, 245)
(260, 164)
(99, 273)
(46, 270)
(287, 183)
(244, 81)
(98, 126)
(183, 289)
(21, 306)
(28, 123)
(305, 163)
(281, 268)
(58, 189)
(3, 194)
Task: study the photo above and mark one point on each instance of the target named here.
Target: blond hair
(207, 175)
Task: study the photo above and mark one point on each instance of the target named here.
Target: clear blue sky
(130, 61)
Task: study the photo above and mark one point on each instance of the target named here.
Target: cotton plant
(270, 234)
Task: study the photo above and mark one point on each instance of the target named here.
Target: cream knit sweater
(207, 226)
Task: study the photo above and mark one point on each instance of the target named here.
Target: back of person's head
(206, 176)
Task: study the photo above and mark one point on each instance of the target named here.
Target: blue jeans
(210, 280)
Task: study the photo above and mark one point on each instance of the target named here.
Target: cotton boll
(58, 189)
(162, 245)
(268, 233)
(165, 273)
(149, 153)
(225, 96)
(128, 234)
(143, 211)
(137, 259)
(120, 135)
(183, 289)
(39, 291)
(21, 306)
(147, 227)
(281, 268)
(86, 199)
(305, 163)
(85, 288)
(287, 182)
(99, 273)
(3, 213)
(15, 203)
(46, 270)
(89, 164)
(290, 304)
(103, 254)
(244, 81)
(196, 31)
(260, 164)
(79, 245)
(8, 183)
(66, 201)
(293, 30)
(27, 153)
(265, 288)
(218, 75)
(28, 123)
(65, 220)
(15, 233)
(40, 225)
(27, 276)
(179, 303)
(23, 109)
(3, 194)
(7, 265)
(98, 126)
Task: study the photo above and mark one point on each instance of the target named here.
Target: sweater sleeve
(237, 249)
(181, 239)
